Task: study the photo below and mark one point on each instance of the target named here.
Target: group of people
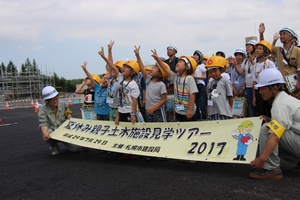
(203, 88)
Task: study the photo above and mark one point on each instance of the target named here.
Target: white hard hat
(221, 53)
(252, 42)
(296, 38)
(49, 92)
(200, 54)
(269, 76)
(289, 30)
(240, 50)
(172, 47)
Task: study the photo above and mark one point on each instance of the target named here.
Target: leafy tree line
(31, 67)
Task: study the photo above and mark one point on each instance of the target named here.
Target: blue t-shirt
(100, 105)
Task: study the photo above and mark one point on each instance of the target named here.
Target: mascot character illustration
(244, 139)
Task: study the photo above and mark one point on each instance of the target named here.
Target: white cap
(172, 47)
(240, 50)
(252, 42)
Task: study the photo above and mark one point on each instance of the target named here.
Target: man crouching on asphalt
(51, 116)
(283, 130)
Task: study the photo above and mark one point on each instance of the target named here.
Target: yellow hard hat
(163, 72)
(265, 44)
(134, 65)
(205, 57)
(225, 62)
(96, 78)
(119, 64)
(246, 124)
(216, 62)
(190, 62)
(148, 68)
(105, 74)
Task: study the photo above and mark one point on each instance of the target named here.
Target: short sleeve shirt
(183, 88)
(294, 59)
(127, 91)
(154, 90)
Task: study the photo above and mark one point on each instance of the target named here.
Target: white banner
(229, 141)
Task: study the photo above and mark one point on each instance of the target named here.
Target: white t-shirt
(224, 75)
(259, 67)
(199, 72)
(130, 90)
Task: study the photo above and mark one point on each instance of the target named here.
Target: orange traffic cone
(32, 104)
(69, 102)
(36, 108)
(7, 106)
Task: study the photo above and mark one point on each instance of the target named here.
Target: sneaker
(267, 174)
(55, 150)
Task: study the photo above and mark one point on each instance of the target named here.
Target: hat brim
(209, 68)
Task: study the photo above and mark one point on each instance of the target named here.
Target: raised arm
(261, 30)
(88, 73)
(276, 36)
(160, 62)
(79, 90)
(140, 62)
(110, 64)
(109, 47)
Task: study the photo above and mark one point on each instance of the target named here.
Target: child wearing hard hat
(185, 88)
(128, 94)
(219, 91)
(200, 75)
(262, 50)
(156, 92)
(101, 107)
(89, 94)
(115, 70)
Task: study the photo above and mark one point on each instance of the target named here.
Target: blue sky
(60, 35)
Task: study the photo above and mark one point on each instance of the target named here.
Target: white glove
(235, 134)
(249, 142)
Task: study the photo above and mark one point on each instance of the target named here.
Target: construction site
(24, 90)
(21, 88)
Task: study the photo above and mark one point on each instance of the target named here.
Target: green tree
(56, 79)
(27, 66)
(3, 68)
(11, 68)
(63, 85)
(35, 68)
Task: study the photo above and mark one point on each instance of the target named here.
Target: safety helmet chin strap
(189, 67)
(279, 86)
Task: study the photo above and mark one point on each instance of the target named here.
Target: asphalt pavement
(28, 171)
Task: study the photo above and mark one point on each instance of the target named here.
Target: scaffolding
(25, 85)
